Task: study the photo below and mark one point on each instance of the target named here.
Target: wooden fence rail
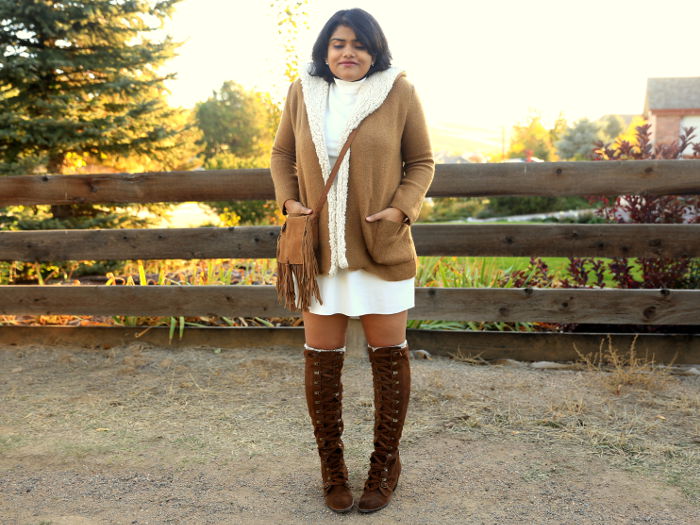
(655, 177)
(600, 306)
(505, 240)
(524, 346)
(558, 305)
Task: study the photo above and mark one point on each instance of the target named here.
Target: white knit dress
(355, 292)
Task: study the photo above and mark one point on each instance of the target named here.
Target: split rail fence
(607, 306)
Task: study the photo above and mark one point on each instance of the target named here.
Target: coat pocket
(391, 242)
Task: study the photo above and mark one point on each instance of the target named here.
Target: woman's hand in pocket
(389, 238)
(389, 214)
(292, 206)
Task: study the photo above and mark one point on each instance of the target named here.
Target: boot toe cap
(372, 501)
(339, 499)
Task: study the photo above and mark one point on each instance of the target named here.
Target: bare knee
(385, 330)
(325, 332)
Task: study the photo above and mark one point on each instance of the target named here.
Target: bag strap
(336, 167)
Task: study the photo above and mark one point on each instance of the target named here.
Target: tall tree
(80, 77)
(238, 128)
(290, 15)
(238, 122)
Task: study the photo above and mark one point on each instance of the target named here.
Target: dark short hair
(368, 32)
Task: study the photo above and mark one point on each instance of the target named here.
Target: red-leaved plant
(656, 272)
(653, 272)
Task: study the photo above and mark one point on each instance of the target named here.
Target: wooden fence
(607, 306)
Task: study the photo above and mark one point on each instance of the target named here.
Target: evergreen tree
(79, 77)
(78, 80)
(611, 127)
(578, 142)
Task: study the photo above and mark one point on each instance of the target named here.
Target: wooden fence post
(355, 343)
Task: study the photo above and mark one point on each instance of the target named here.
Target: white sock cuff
(401, 345)
(307, 347)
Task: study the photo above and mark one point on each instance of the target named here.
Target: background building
(672, 104)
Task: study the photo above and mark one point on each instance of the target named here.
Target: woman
(367, 260)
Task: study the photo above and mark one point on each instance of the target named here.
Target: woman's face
(347, 57)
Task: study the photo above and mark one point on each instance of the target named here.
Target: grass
(9, 442)
(614, 403)
(626, 368)
(447, 272)
(463, 272)
(204, 272)
(484, 272)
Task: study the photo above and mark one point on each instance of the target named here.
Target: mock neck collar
(348, 87)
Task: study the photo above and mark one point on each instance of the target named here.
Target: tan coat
(390, 164)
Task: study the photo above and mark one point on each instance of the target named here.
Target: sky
(484, 64)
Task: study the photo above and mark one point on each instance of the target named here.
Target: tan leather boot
(324, 395)
(391, 375)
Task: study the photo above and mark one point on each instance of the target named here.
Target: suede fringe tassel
(304, 274)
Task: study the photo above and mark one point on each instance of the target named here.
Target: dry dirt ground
(146, 435)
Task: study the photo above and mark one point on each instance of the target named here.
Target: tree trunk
(54, 166)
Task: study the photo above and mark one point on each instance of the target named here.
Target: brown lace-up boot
(392, 385)
(324, 395)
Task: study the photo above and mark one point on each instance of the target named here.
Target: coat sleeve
(283, 158)
(419, 166)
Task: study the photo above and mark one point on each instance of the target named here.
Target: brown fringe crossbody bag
(297, 245)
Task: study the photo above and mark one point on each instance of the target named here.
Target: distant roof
(672, 93)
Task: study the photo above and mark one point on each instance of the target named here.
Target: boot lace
(385, 370)
(328, 423)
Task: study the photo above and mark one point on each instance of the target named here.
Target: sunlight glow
(475, 64)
